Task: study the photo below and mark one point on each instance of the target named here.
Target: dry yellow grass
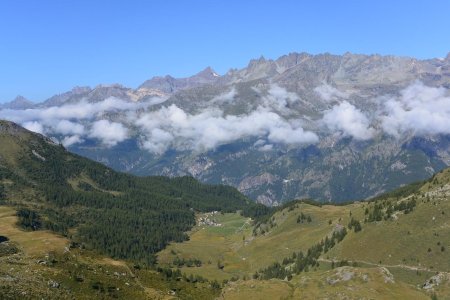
(112, 262)
(257, 290)
(419, 239)
(341, 283)
(33, 243)
(9, 150)
(86, 179)
(213, 244)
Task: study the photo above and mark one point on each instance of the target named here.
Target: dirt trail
(411, 268)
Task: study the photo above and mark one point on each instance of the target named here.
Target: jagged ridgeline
(121, 215)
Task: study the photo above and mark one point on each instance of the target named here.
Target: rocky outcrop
(253, 182)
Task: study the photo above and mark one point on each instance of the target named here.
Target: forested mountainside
(117, 214)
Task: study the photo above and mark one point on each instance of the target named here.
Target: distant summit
(19, 102)
(76, 93)
(169, 84)
(208, 73)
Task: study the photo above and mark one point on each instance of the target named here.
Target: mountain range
(329, 127)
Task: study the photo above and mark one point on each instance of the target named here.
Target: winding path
(411, 268)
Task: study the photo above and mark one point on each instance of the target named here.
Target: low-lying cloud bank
(80, 120)
(351, 121)
(418, 109)
(110, 133)
(77, 111)
(172, 127)
(329, 93)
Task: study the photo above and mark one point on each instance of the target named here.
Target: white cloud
(329, 93)
(279, 98)
(66, 127)
(288, 134)
(110, 133)
(77, 111)
(160, 141)
(259, 143)
(71, 140)
(225, 97)
(34, 126)
(173, 127)
(349, 120)
(419, 109)
(266, 148)
(66, 120)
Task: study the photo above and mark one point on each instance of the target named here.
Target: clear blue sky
(47, 47)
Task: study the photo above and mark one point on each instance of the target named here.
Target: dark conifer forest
(118, 214)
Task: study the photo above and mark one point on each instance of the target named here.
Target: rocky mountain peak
(169, 84)
(167, 77)
(291, 60)
(257, 62)
(81, 89)
(20, 98)
(207, 73)
(19, 102)
(110, 86)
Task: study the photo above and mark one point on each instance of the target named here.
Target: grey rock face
(74, 95)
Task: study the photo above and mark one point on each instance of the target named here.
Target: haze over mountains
(330, 127)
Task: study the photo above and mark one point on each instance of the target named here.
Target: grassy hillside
(420, 238)
(43, 265)
(242, 252)
(340, 283)
(402, 235)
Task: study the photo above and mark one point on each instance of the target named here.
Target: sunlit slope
(341, 283)
(420, 238)
(242, 252)
(43, 265)
(404, 236)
